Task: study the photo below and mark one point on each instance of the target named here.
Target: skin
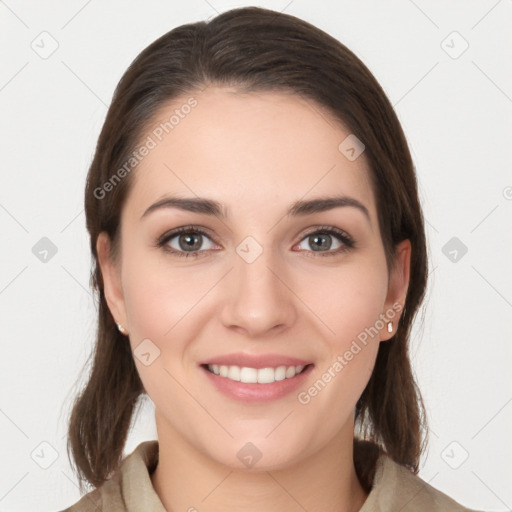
(255, 153)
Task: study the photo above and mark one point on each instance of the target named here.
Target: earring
(390, 326)
(121, 329)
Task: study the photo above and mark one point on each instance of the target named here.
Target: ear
(397, 289)
(111, 275)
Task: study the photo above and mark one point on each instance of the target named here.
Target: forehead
(247, 150)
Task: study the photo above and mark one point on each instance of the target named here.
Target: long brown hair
(254, 49)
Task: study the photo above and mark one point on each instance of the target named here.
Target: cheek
(349, 307)
(159, 296)
(162, 304)
(168, 304)
(349, 300)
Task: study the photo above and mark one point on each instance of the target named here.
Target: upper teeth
(255, 375)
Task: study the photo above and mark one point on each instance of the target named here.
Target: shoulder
(395, 487)
(106, 497)
(129, 488)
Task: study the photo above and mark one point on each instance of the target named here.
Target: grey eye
(320, 242)
(189, 242)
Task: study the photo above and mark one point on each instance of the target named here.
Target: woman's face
(273, 279)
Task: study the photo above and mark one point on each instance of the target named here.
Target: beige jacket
(394, 489)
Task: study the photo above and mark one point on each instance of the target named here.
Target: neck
(186, 479)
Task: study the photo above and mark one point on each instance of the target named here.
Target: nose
(258, 299)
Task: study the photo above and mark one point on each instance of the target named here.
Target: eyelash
(342, 236)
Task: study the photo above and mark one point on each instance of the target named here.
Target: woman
(259, 256)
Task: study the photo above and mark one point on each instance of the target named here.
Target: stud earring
(121, 329)
(390, 326)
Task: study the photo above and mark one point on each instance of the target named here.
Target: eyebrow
(298, 208)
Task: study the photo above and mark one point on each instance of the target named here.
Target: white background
(456, 113)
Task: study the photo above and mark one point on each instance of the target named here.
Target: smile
(255, 375)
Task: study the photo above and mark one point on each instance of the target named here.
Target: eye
(190, 241)
(187, 242)
(321, 241)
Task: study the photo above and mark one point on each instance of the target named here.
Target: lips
(255, 361)
(267, 386)
(256, 378)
